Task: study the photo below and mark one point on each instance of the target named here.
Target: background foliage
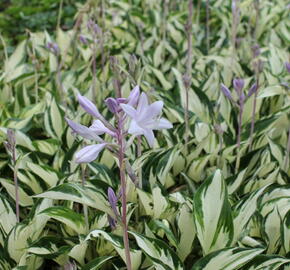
(194, 211)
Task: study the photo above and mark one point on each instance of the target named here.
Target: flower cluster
(238, 86)
(144, 119)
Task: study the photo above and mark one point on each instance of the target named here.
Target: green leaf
(48, 175)
(7, 215)
(187, 231)
(67, 216)
(244, 210)
(212, 214)
(286, 233)
(165, 84)
(96, 263)
(76, 193)
(117, 243)
(269, 262)
(227, 259)
(162, 256)
(24, 198)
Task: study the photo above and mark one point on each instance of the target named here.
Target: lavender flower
(84, 131)
(89, 153)
(99, 126)
(146, 118)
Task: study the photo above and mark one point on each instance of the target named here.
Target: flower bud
(238, 85)
(112, 105)
(113, 200)
(112, 222)
(53, 48)
(256, 50)
(11, 137)
(226, 92)
(83, 39)
(287, 65)
(92, 26)
(253, 89)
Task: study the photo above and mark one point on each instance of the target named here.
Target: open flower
(146, 118)
(99, 127)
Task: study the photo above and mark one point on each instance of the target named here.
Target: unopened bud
(112, 105)
(11, 137)
(83, 39)
(253, 89)
(113, 201)
(287, 65)
(92, 26)
(52, 47)
(238, 85)
(112, 222)
(226, 92)
(256, 50)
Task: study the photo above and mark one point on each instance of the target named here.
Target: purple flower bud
(112, 222)
(53, 47)
(238, 85)
(287, 65)
(226, 92)
(11, 137)
(252, 90)
(89, 106)
(92, 26)
(242, 99)
(121, 100)
(256, 50)
(113, 201)
(83, 39)
(112, 105)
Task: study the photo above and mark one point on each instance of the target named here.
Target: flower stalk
(187, 77)
(238, 86)
(122, 168)
(11, 148)
(207, 25)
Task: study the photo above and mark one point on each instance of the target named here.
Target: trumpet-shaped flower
(146, 118)
(89, 153)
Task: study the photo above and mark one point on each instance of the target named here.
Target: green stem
(239, 138)
(122, 167)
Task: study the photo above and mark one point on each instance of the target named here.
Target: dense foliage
(205, 202)
(18, 16)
